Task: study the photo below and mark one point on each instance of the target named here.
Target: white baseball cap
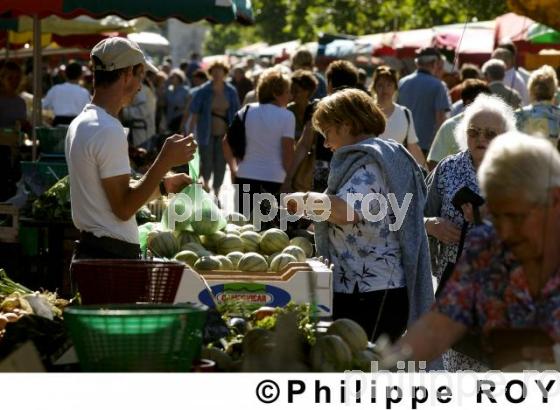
(114, 53)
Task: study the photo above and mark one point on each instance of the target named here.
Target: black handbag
(235, 136)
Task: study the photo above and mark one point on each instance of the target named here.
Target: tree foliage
(277, 21)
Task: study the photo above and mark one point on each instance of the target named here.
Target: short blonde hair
(272, 83)
(518, 163)
(353, 107)
(543, 84)
(484, 103)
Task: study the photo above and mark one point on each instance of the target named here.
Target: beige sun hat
(118, 52)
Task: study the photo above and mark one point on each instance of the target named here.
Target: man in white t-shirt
(104, 203)
(67, 100)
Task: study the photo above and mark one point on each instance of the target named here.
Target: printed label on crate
(250, 293)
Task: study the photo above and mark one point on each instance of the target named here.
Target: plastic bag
(195, 210)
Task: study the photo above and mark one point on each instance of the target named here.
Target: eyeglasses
(488, 133)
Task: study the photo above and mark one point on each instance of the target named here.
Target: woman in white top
(400, 125)
(269, 148)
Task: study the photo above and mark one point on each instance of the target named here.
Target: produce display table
(54, 252)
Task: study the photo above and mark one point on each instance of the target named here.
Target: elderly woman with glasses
(507, 281)
(486, 118)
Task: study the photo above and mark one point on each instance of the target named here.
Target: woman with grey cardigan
(372, 220)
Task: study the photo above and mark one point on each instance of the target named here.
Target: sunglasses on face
(489, 134)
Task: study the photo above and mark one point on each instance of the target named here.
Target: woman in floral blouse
(378, 246)
(509, 274)
(483, 120)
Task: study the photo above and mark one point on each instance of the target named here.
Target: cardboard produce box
(275, 289)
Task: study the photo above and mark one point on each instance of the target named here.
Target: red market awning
(218, 11)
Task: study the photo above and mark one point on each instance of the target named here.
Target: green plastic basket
(136, 338)
(51, 139)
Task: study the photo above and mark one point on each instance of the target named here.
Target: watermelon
(296, 251)
(208, 263)
(251, 241)
(226, 263)
(237, 219)
(188, 257)
(230, 243)
(330, 354)
(274, 240)
(163, 244)
(235, 257)
(281, 261)
(304, 244)
(253, 262)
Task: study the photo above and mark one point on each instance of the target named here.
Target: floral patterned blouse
(488, 290)
(451, 174)
(366, 254)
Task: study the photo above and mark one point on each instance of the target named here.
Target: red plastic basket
(103, 281)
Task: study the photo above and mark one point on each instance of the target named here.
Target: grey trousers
(212, 161)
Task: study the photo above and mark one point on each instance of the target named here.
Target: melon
(196, 248)
(281, 261)
(237, 219)
(210, 242)
(206, 222)
(253, 262)
(235, 257)
(163, 244)
(330, 354)
(248, 228)
(251, 241)
(185, 237)
(269, 258)
(188, 257)
(304, 244)
(296, 251)
(143, 231)
(230, 243)
(362, 360)
(208, 263)
(274, 240)
(231, 228)
(351, 332)
(226, 263)
(179, 206)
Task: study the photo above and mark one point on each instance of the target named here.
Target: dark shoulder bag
(407, 115)
(235, 136)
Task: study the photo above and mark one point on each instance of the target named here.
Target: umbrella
(222, 11)
(150, 42)
(541, 34)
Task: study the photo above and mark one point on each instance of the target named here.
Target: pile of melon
(237, 247)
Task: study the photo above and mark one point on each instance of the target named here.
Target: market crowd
(478, 153)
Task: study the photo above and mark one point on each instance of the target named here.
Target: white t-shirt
(397, 127)
(66, 99)
(265, 126)
(97, 148)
